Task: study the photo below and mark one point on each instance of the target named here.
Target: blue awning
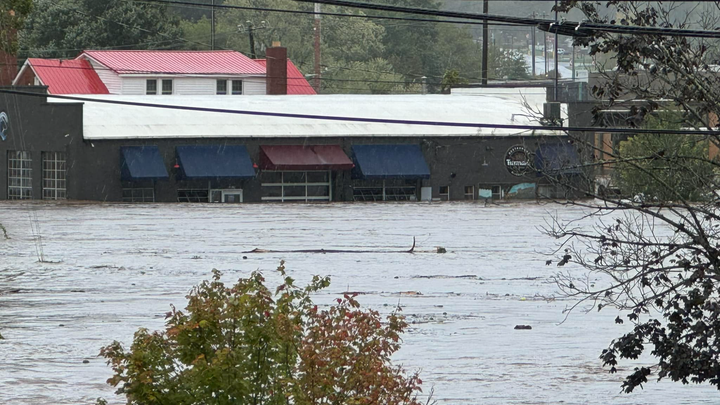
(560, 158)
(389, 162)
(142, 163)
(215, 161)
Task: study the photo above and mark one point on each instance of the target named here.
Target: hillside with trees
(359, 55)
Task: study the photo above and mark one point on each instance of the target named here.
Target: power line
(563, 28)
(142, 29)
(304, 12)
(365, 119)
(114, 47)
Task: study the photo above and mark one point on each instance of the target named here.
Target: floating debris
(324, 251)
(444, 276)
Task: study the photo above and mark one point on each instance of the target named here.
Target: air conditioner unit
(232, 195)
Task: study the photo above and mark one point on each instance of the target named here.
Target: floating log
(323, 251)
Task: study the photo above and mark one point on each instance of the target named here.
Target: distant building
(275, 148)
(157, 73)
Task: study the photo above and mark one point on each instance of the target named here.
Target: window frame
(232, 87)
(138, 194)
(446, 195)
(470, 196)
(224, 91)
(54, 176)
(193, 195)
(499, 192)
(19, 163)
(147, 87)
(282, 185)
(162, 88)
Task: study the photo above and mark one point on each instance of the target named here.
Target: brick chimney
(276, 71)
(8, 62)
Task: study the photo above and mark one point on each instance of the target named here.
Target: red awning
(304, 157)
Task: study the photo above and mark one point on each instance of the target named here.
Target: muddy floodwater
(107, 270)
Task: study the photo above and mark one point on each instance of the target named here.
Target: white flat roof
(113, 121)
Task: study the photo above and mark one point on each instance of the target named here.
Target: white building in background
(135, 73)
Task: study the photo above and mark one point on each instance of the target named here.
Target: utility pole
(545, 50)
(212, 25)
(573, 62)
(316, 80)
(250, 29)
(555, 52)
(484, 79)
(532, 35)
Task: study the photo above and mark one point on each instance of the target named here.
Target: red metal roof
(177, 62)
(297, 84)
(68, 76)
(304, 157)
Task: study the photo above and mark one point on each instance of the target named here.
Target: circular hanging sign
(4, 126)
(517, 160)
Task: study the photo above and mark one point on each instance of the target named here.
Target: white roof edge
(528, 133)
(22, 69)
(84, 54)
(208, 75)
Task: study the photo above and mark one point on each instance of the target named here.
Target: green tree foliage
(294, 31)
(63, 28)
(375, 76)
(12, 17)
(406, 51)
(665, 167)
(346, 43)
(506, 65)
(246, 344)
(413, 46)
(451, 79)
(457, 51)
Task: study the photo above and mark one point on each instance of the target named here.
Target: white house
(133, 73)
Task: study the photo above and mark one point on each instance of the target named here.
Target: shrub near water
(244, 344)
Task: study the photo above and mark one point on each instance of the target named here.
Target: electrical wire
(100, 48)
(195, 4)
(306, 12)
(143, 29)
(567, 28)
(366, 119)
(563, 28)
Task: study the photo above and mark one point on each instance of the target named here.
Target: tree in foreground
(246, 344)
(656, 260)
